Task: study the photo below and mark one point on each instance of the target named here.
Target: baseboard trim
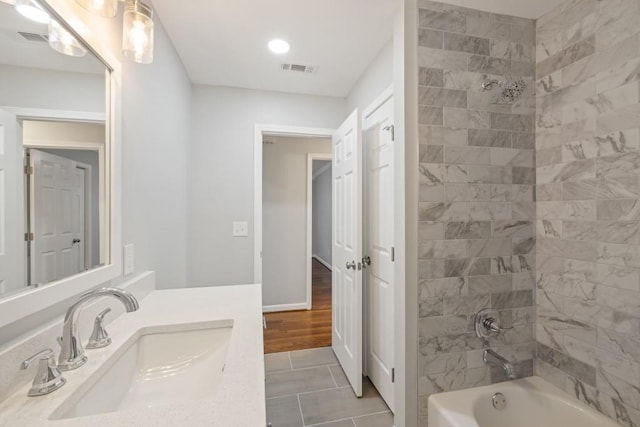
(284, 307)
(323, 262)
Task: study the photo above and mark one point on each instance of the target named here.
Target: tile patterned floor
(309, 388)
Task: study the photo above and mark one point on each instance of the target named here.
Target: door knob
(366, 261)
(351, 265)
(76, 241)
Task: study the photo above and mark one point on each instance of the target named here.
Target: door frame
(311, 157)
(260, 130)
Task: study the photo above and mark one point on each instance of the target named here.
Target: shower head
(510, 90)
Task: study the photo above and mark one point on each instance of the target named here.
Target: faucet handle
(487, 325)
(48, 378)
(99, 337)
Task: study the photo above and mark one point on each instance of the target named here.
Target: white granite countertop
(239, 400)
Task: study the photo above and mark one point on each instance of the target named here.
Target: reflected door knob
(351, 265)
(76, 241)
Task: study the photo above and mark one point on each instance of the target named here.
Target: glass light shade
(32, 10)
(61, 40)
(106, 8)
(137, 32)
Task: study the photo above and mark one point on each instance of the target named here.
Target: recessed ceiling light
(279, 46)
(32, 10)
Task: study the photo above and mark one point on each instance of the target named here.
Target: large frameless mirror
(54, 151)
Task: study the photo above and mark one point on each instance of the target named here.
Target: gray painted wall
(321, 216)
(222, 166)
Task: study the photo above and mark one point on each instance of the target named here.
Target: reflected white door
(11, 222)
(379, 242)
(55, 214)
(347, 250)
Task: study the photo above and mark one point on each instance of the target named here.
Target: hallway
(303, 329)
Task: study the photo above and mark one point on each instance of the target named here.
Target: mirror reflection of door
(61, 219)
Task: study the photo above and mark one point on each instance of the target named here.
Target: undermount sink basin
(180, 363)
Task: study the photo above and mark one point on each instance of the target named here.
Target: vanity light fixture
(278, 46)
(137, 26)
(105, 8)
(137, 32)
(62, 41)
(30, 9)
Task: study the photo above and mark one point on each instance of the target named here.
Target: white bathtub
(530, 402)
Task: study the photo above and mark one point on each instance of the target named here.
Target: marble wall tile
(430, 38)
(465, 43)
(489, 65)
(489, 138)
(431, 77)
(431, 135)
(442, 59)
(442, 97)
(566, 57)
(430, 115)
(441, 21)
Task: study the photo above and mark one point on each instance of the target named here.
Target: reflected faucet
(492, 358)
(72, 354)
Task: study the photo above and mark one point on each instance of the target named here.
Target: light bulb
(137, 32)
(106, 8)
(32, 10)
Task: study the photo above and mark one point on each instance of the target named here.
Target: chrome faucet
(492, 358)
(72, 354)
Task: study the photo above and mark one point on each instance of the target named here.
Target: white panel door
(54, 218)
(379, 242)
(347, 250)
(11, 223)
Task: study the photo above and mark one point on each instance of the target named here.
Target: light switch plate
(240, 229)
(128, 259)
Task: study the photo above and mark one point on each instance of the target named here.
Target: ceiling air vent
(298, 68)
(34, 37)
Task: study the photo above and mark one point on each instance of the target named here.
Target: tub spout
(492, 358)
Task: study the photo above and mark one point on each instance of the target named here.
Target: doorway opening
(296, 241)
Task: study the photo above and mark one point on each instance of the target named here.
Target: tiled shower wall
(588, 209)
(477, 210)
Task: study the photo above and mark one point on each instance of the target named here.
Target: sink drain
(499, 401)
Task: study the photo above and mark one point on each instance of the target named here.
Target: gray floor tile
(313, 357)
(341, 403)
(342, 423)
(377, 420)
(277, 362)
(339, 376)
(284, 412)
(298, 381)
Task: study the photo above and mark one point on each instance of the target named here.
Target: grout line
(290, 362)
(332, 377)
(300, 407)
(331, 422)
(309, 392)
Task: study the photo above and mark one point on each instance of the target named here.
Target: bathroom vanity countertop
(240, 398)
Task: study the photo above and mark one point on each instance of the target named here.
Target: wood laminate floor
(302, 329)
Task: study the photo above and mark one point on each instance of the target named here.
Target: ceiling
(532, 9)
(223, 42)
(17, 51)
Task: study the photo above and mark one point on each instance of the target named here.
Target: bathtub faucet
(493, 358)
